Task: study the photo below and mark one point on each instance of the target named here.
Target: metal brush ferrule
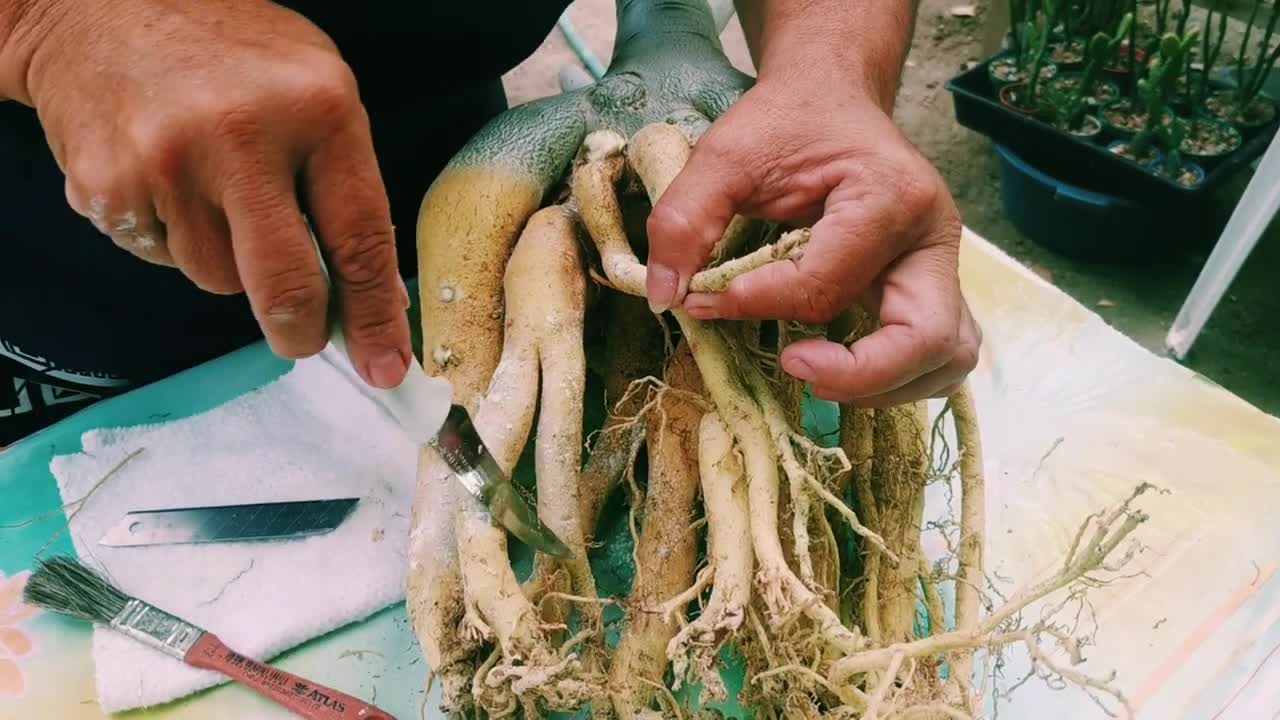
(156, 628)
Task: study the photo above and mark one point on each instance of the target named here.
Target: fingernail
(663, 284)
(404, 290)
(387, 370)
(798, 369)
(700, 307)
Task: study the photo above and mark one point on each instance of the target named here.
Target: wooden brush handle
(308, 700)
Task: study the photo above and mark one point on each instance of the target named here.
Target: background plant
(1252, 76)
(1155, 89)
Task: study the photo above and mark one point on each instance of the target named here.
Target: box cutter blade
(228, 523)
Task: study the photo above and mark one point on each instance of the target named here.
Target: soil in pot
(1123, 149)
(1104, 91)
(1124, 118)
(1067, 53)
(1004, 70)
(1121, 64)
(1090, 127)
(1188, 176)
(1017, 97)
(1209, 138)
(1259, 112)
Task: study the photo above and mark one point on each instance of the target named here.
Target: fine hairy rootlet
(801, 558)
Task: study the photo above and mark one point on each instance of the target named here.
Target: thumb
(689, 219)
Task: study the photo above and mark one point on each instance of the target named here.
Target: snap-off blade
(229, 523)
(476, 470)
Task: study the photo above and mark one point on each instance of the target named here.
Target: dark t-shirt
(81, 319)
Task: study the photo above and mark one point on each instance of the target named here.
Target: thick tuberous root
(749, 537)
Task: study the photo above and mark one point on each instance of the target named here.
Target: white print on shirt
(22, 390)
(55, 373)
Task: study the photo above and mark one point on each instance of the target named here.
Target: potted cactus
(1024, 95)
(1146, 117)
(1241, 105)
(1094, 91)
(1029, 39)
(1092, 88)
(1173, 167)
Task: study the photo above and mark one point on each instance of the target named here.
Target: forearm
(862, 43)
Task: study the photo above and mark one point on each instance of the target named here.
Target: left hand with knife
(886, 231)
(194, 134)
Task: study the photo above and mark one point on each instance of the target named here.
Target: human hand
(885, 232)
(195, 134)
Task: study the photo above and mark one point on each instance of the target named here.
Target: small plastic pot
(1154, 156)
(1121, 131)
(1090, 128)
(1104, 91)
(1047, 71)
(1066, 52)
(1011, 98)
(1260, 111)
(1196, 171)
(1193, 147)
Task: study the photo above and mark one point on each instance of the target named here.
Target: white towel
(313, 433)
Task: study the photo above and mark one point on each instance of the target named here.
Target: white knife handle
(420, 403)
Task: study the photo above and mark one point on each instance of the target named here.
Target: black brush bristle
(62, 584)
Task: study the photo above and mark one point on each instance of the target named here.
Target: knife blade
(423, 406)
(228, 523)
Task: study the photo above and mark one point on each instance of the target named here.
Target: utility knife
(423, 406)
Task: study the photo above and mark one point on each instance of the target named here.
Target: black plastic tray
(1083, 161)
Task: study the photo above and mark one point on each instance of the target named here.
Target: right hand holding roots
(190, 133)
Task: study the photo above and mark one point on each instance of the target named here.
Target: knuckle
(237, 126)
(921, 193)
(292, 297)
(667, 219)
(375, 331)
(820, 301)
(965, 358)
(160, 146)
(969, 350)
(936, 344)
(365, 260)
(329, 92)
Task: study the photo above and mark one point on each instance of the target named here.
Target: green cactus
(1252, 76)
(1171, 136)
(1154, 89)
(1102, 48)
(1037, 32)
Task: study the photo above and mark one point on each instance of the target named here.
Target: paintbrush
(63, 585)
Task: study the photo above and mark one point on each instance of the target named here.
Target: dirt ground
(1236, 349)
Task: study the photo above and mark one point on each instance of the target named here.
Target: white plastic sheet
(1074, 415)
